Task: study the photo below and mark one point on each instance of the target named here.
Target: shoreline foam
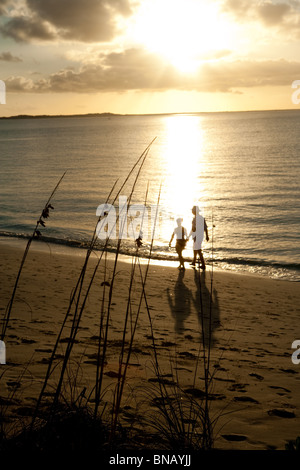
(250, 267)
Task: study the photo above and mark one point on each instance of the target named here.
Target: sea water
(241, 168)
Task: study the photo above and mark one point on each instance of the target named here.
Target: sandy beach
(255, 386)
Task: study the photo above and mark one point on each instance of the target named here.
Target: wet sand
(254, 321)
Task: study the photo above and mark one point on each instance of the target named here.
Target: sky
(148, 56)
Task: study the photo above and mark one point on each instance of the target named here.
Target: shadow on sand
(183, 301)
(180, 302)
(207, 307)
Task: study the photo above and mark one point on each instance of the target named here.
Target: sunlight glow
(184, 165)
(183, 32)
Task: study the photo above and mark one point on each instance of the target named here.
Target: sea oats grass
(72, 415)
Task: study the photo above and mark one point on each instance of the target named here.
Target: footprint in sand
(13, 384)
(234, 437)
(27, 341)
(187, 355)
(257, 376)
(289, 371)
(196, 393)
(282, 413)
(168, 344)
(281, 391)
(44, 350)
(246, 399)
(237, 387)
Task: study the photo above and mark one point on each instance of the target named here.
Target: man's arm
(206, 230)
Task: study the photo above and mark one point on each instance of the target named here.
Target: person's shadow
(207, 307)
(180, 302)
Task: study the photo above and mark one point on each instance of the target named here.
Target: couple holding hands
(197, 233)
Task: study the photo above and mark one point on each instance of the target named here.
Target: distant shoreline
(45, 116)
(107, 114)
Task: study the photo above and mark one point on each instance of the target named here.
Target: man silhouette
(197, 233)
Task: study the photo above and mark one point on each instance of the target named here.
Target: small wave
(47, 239)
(257, 262)
(274, 269)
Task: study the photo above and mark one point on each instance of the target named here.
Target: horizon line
(107, 114)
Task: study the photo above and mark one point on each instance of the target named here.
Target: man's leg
(202, 260)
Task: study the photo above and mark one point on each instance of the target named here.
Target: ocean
(241, 168)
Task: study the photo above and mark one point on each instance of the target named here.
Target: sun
(184, 32)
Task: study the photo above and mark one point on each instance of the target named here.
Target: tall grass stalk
(123, 370)
(35, 233)
(119, 386)
(78, 287)
(13, 396)
(76, 296)
(99, 378)
(104, 328)
(180, 415)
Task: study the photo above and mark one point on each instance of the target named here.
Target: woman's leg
(194, 259)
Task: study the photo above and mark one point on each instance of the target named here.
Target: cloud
(21, 29)
(233, 76)
(86, 21)
(133, 69)
(3, 4)
(237, 8)
(136, 69)
(214, 55)
(273, 14)
(8, 57)
(284, 15)
(19, 84)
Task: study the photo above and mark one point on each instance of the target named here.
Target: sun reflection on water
(184, 162)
